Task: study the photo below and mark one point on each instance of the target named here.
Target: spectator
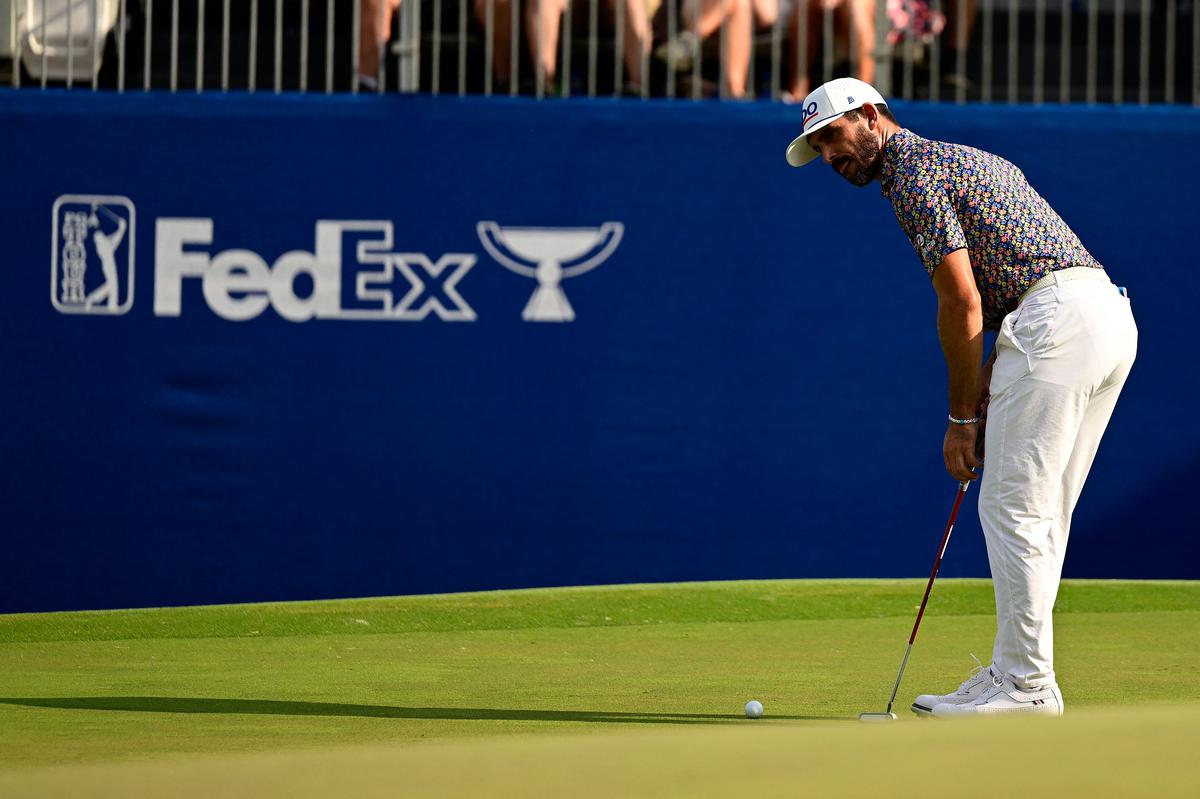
(501, 39)
(960, 21)
(543, 22)
(375, 26)
(703, 18)
(859, 14)
(915, 20)
(918, 22)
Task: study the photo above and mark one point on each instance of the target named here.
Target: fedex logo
(377, 284)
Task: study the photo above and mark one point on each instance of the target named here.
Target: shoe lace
(975, 677)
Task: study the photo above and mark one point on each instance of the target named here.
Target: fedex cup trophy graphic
(558, 252)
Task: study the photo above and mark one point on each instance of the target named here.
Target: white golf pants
(1062, 358)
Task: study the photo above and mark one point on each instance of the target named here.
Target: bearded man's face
(851, 148)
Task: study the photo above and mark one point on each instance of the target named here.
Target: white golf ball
(753, 709)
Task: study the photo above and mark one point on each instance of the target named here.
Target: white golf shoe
(980, 679)
(1002, 695)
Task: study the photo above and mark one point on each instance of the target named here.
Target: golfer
(1000, 259)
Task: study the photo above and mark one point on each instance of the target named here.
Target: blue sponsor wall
(751, 387)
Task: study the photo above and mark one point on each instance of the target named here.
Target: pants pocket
(1033, 328)
(1012, 361)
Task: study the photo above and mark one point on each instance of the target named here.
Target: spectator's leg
(862, 17)
(765, 13)
(543, 18)
(368, 53)
(501, 39)
(959, 27)
(737, 46)
(801, 83)
(637, 38)
(712, 12)
(960, 21)
(372, 16)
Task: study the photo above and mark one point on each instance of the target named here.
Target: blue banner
(291, 347)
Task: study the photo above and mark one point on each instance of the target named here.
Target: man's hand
(958, 450)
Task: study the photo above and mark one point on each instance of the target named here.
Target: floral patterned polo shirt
(947, 197)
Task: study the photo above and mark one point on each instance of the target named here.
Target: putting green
(599, 691)
(1093, 752)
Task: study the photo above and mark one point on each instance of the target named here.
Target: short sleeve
(927, 215)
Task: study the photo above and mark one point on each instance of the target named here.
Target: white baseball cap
(823, 105)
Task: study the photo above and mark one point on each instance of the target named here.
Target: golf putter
(888, 715)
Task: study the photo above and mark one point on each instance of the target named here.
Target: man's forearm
(960, 329)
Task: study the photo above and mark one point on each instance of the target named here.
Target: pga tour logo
(353, 270)
(91, 254)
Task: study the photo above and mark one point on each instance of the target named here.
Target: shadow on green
(269, 707)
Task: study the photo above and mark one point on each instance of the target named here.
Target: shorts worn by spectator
(1000, 258)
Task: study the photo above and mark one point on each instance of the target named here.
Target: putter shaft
(962, 490)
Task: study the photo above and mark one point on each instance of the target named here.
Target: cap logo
(808, 114)
(849, 99)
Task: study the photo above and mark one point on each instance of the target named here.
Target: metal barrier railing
(1011, 51)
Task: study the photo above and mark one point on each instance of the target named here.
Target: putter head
(876, 717)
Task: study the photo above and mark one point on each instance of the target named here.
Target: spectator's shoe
(1003, 696)
(679, 53)
(980, 680)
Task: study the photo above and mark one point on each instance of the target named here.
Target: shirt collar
(894, 152)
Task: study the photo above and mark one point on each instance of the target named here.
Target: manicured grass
(1095, 752)
(598, 606)
(612, 671)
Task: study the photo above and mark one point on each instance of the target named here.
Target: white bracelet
(974, 420)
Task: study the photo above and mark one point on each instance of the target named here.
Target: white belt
(1063, 276)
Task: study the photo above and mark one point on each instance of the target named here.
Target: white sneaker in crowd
(980, 679)
(1003, 696)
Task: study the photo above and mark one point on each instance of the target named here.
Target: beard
(868, 157)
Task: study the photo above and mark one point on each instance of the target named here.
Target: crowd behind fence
(1094, 51)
